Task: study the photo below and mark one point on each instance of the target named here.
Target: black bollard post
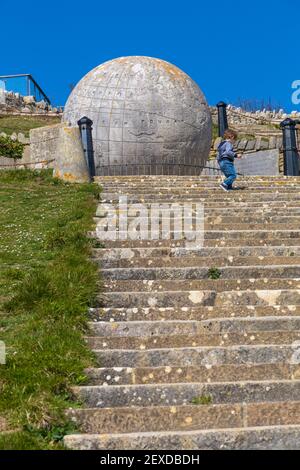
(222, 118)
(291, 155)
(85, 126)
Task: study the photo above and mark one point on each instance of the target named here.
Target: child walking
(225, 157)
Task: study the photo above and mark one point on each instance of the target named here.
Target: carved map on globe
(148, 117)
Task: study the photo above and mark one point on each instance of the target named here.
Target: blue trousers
(229, 171)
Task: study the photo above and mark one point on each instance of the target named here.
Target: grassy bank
(23, 124)
(46, 284)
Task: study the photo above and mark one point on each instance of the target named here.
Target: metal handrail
(29, 78)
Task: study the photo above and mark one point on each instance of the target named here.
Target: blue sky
(231, 49)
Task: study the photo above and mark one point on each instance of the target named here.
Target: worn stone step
(199, 374)
(203, 238)
(193, 340)
(141, 178)
(208, 243)
(254, 438)
(210, 219)
(203, 297)
(185, 417)
(183, 394)
(221, 325)
(146, 314)
(213, 199)
(219, 285)
(200, 186)
(197, 356)
(169, 254)
(181, 260)
(176, 226)
(197, 273)
(240, 235)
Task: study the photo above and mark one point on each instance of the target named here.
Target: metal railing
(31, 87)
(157, 168)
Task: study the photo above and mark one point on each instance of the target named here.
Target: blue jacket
(225, 150)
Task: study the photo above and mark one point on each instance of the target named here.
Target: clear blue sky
(231, 49)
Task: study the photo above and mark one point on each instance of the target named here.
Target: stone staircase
(198, 347)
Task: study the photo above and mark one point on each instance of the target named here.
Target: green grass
(47, 282)
(202, 400)
(23, 124)
(214, 273)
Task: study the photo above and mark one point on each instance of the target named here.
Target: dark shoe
(224, 187)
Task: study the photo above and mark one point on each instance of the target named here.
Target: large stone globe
(148, 117)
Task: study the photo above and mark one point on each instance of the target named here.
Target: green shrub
(10, 148)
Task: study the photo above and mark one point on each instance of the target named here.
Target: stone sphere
(148, 117)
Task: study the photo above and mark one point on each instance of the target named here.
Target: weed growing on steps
(202, 400)
(214, 273)
(47, 283)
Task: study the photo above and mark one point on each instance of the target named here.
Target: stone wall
(238, 116)
(43, 145)
(14, 103)
(261, 163)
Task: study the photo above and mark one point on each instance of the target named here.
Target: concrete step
(168, 254)
(254, 438)
(183, 394)
(191, 297)
(198, 356)
(197, 273)
(199, 374)
(162, 314)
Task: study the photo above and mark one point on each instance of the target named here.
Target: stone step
(169, 254)
(199, 374)
(118, 259)
(193, 340)
(192, 297)
(235, 243)
(254, 438)
(209, 191)
(219, 285)
(198, 273)
(198, 356)
(199, 186)
(212, 197)
(169, 178)
(184, 227)
(185, 417)
(142, 329)
(97, 396)
(147, 314)
(194, 238)
(214, 213)
(213, 217)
